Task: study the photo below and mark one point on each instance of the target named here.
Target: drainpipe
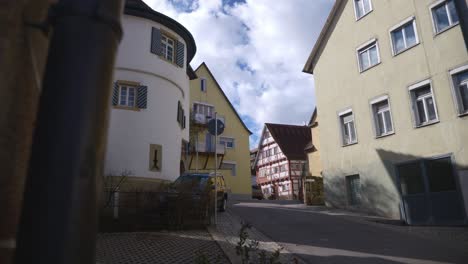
(59, 218)
(23, 49)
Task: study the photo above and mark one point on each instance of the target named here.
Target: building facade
(150, 103)
(281, 159)
(391, 86)
(313, 180)
(232, 148)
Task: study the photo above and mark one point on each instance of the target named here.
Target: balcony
(202, 119)
(203, 148)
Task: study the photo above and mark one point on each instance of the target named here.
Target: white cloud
(270, 39)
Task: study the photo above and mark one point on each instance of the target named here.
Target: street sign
(212, 127)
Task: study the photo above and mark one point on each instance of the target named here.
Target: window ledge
(136, 109)
(427, 124)
(350, 144)
(363, 16)
(385, 135)
(463, 114)
(375, 65)
(446, 29)
(408, 48)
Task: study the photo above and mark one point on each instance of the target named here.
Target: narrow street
(320, 236)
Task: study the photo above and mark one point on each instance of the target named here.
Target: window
(127, 96)
(348, 128)
(206, 110)
(362, 7)
(227, 142)
(368, 55)
(276, 150)
(203, 85)
(229, 166)
(404, 36)
(285, 188)
(460, 88)
(167, 47)
(282, 168)
(382, 117)
(424, 108)
(444, 15)
(275, 169)
(181, 119)
(354, 189)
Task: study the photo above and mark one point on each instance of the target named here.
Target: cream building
(391, 83)
(206, 98)
(148, 124)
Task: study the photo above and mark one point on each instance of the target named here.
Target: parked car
(257, 192)
(198, 183)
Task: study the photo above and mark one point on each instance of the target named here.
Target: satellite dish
(212, 124)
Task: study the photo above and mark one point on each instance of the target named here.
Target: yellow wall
(241, 183)
(315, 164)
(340, 85)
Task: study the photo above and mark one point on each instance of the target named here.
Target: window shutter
(115, 94)
(156, 41)
(178, 112)
(142, 97)
(180, 54)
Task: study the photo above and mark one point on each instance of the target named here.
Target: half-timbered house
(280, 160)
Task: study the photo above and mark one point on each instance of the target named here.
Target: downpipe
(59, 218)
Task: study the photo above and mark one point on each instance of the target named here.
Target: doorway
(430, 192)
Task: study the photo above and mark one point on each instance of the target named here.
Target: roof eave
(323, 37)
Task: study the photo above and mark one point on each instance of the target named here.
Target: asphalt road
(317, 237)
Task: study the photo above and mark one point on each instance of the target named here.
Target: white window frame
(205, 105)
(127, 96)
(456, 91)
(203, 85)
(356, 10)
(165, 43)
(342, 125)
(365, 47)
(414, 107)
(434, 23)
(375, 114)
(228, 138)
(233, 171)
(403, 23)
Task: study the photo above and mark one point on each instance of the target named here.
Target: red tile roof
(291, 139)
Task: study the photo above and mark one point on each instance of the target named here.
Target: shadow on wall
(379, 188)
(375, 198)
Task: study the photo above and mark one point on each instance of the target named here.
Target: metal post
(59, 218)
(462, 11)
(196, 146)
(216, 170)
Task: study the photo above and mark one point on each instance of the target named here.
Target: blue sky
(256, 49)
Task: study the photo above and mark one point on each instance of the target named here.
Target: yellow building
(206, 99)
(391, 82)
(313, 181)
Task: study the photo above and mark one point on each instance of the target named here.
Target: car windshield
(196, 180)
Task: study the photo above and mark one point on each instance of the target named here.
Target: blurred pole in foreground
(23, 52)
(59, 218)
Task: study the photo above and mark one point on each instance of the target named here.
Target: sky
(256, 49)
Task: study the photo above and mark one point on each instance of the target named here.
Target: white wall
(132, 132)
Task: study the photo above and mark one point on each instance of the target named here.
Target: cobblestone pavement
(158, 247)
(226, 233)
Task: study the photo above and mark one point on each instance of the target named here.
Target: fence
(147, 211)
